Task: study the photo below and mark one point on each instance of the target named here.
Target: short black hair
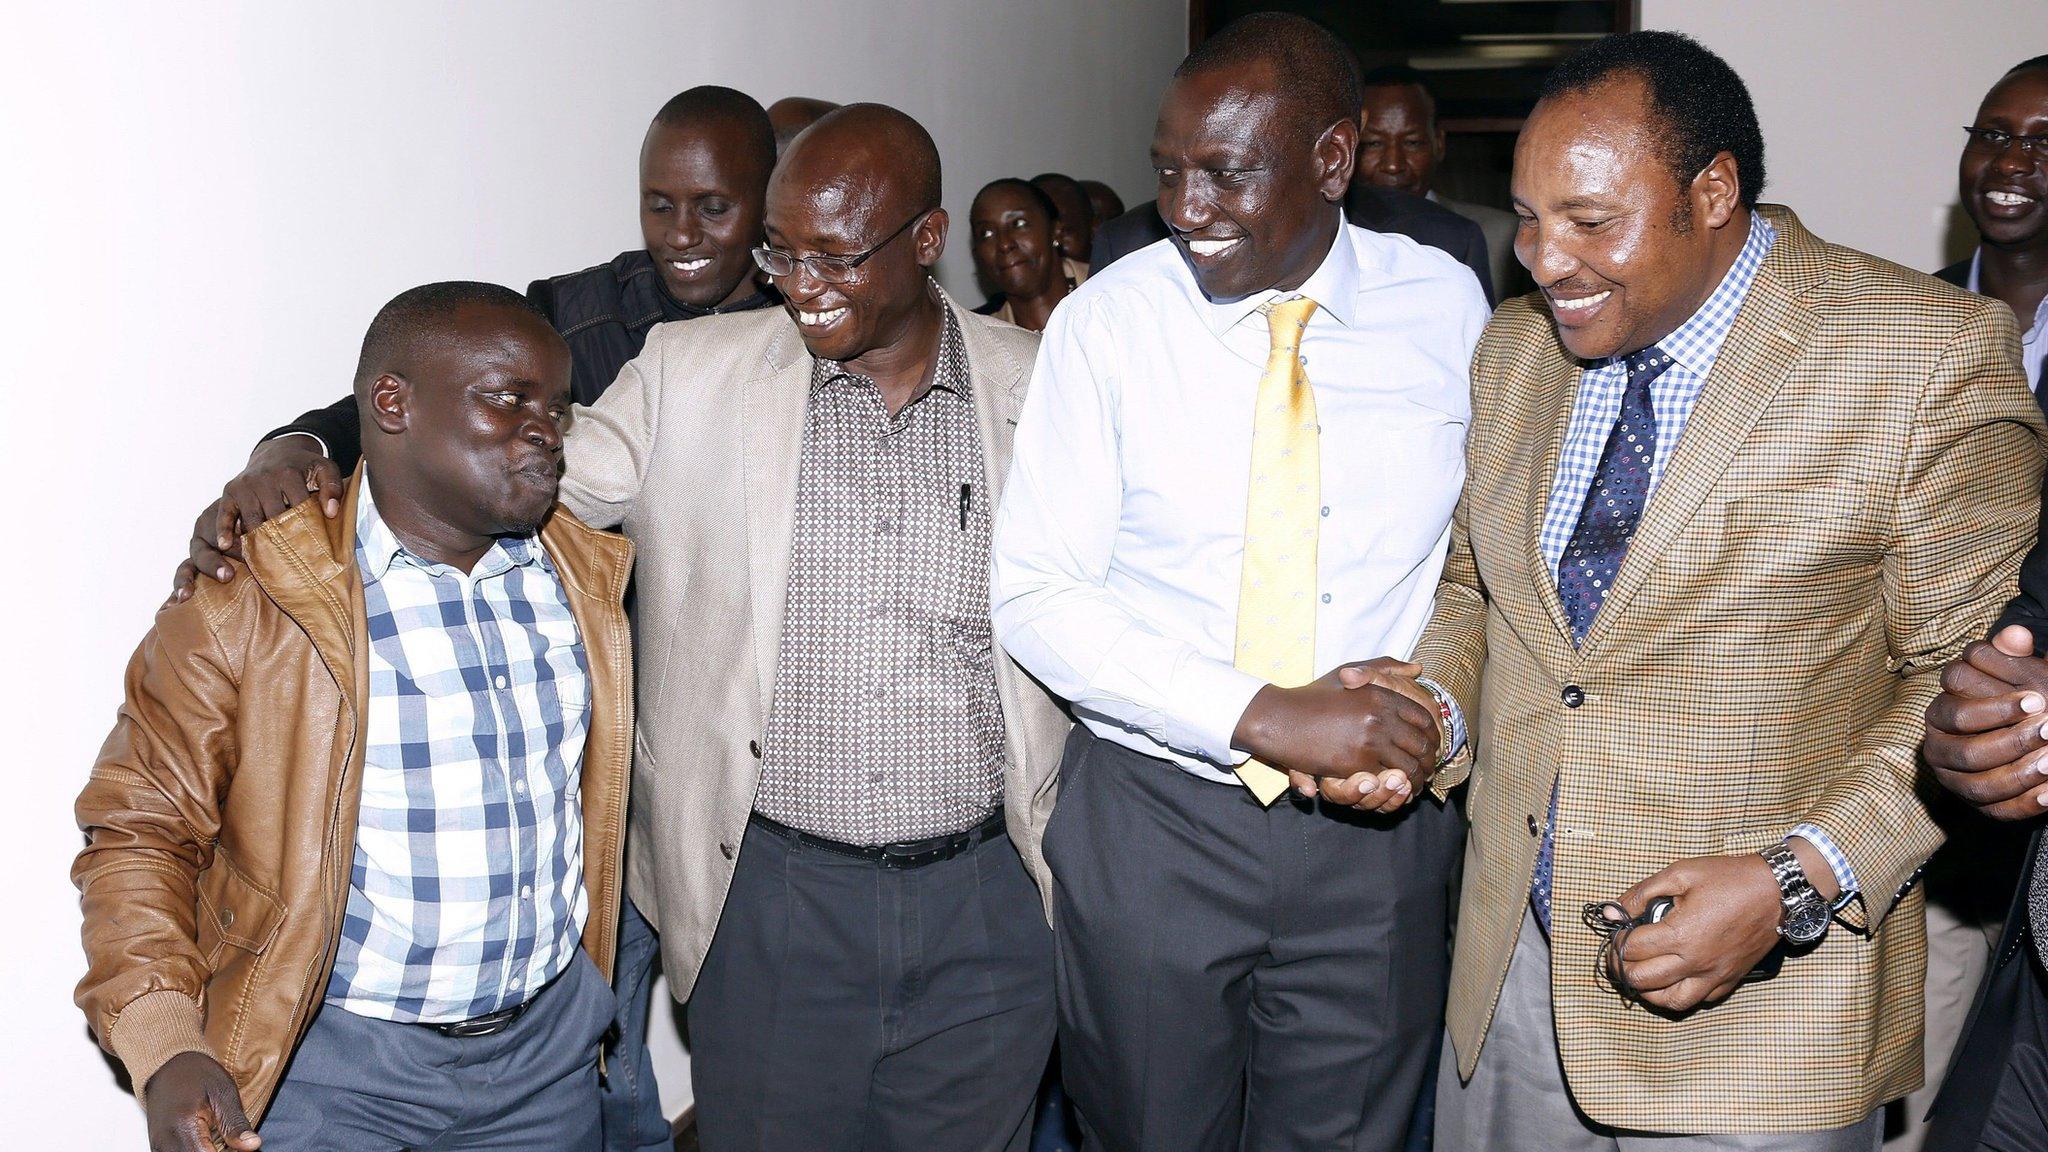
(713, 102)
(414, 315)
(1318, 71)
(1705, 107)
(1031, 191)
(1043, 180)
(1399, 76)
(2029, 65)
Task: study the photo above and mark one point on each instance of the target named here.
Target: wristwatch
(1806, 914)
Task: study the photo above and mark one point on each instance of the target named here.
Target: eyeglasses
(1993, 141)
(828, 268)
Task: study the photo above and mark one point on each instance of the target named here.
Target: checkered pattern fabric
(466, 894)
(1847, 508)
(1692, 348)
(885, 725)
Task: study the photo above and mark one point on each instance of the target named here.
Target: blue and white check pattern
(466, 894)
(1692, 347)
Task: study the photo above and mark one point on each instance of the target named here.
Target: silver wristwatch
(1806, 914)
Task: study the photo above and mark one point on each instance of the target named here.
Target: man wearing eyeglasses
(2004, 188)
(840, 784)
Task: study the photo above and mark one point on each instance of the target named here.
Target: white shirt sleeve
(1053, 549)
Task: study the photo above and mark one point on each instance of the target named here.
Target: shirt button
(500, 682)
(1326, 509)
(519, 786)
(728, 850)
(754, 746)
(1532, 824)
(526, 892)
(1326, 597)
(1573, 695)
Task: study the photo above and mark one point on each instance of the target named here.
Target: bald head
(864, 153)
(793, 114)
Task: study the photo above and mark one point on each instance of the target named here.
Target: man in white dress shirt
(1235, 473)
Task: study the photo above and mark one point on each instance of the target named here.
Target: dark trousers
(362, 1085)
(844, 1006)
(633, 1120)
(1233, 976)
(1996, 1097)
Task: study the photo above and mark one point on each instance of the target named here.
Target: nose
(683, 232)
(2014, 160)
(1548, 260)
(1186, 208)
(1392, 161)
(544, 431)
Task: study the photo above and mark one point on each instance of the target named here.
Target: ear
(1717, 191)
(390, 404)
(931, 236)
(1336, 155)
(1438, 145)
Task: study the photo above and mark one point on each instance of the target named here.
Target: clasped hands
(1365, 736)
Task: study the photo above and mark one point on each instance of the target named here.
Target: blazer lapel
(1768, 338)
(772, 432)
(1556, 394)
(997, 377)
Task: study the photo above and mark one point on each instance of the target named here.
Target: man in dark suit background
(1374, 209)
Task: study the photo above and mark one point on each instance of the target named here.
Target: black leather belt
(489, 1024)
(906, 854)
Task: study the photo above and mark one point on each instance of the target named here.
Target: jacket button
(728, 850)
(1532, 824)
(754, 746)
(227, 917)
(1573, 695)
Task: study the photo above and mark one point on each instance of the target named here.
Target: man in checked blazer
(1735, 495)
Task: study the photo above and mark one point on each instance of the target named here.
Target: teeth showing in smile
(1582, 303)
(1211, 247)
(819, 319)
(2008, 199)
(697, 265)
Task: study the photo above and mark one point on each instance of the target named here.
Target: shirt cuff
(1450, 704)
(1845, 876)
(1211, 697)
(313, 436)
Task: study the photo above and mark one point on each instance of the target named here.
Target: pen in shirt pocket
(966, 496)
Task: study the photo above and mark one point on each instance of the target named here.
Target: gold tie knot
(1286, 319)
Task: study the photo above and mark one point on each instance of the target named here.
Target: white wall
(202, 206)
(1863, 104)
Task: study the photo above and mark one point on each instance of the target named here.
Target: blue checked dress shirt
(466, 894)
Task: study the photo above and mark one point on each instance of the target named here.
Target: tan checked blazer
(1847, 508)
(694, 451)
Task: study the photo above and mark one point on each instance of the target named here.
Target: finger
(1971, 716)
(1358, 791)
(2023, 807)
(194, 1133)
(2014, 640)
(228, 1117)
(1397, 791)
(1962, 678)
(2018, 671)
(1998, 785)
(1653, 940)
(324, 480)
(211, 562)
(182, 583)
(1656, 973)
(1302, 783)
(278, 497)
(1722, 991)
(1986, 751)
(1665, 883)
(225, 522)
(1683, 996)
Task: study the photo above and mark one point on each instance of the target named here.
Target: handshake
(1365, 736)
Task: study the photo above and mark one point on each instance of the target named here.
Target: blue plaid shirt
(1693, 347)
(466, 894)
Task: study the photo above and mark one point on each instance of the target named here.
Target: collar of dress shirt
(380, 547)
(1697, 342)
(1333, 286)
(2040, 320)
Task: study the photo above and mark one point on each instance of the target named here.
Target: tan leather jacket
(220, 817)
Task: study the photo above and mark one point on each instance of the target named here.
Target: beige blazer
(1848, 507)
(694, 453)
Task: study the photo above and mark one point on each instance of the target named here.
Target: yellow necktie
(1276, 601)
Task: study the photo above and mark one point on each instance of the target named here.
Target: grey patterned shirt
(885, 724)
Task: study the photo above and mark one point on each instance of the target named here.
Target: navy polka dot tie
(1586, 571)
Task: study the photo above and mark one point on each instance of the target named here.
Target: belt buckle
(489, 1025)
(891, 859)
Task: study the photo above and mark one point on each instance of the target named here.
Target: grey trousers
(362, 1085)
(1518, 1100)
(844, 1007)
(1240, 977)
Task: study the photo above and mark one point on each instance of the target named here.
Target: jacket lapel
(1767, 340)
(998, 395)
(1556, 393)
(772, 434)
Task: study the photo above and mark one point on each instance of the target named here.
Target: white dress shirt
(1121, 536)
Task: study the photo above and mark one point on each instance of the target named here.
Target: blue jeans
(633, 1121)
